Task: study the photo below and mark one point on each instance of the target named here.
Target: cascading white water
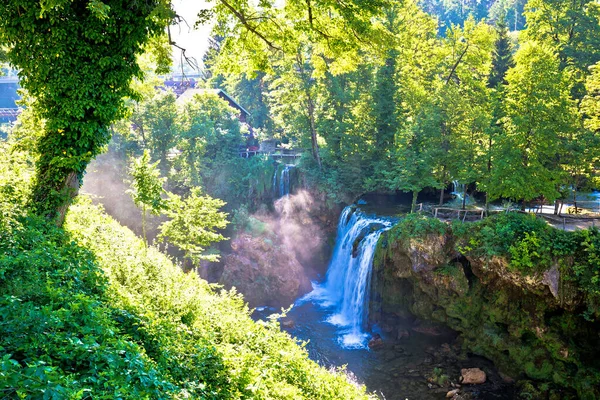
(348, 280)
(284, 181)
(275, 181)
(458, 190)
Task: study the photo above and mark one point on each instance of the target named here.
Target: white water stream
(346, 289)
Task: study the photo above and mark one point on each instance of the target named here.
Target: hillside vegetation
(89, 312)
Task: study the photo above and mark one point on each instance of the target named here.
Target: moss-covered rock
(530, 323)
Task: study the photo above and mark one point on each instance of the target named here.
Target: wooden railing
(272, 154)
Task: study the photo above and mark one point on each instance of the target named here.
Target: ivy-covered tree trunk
(76, 59)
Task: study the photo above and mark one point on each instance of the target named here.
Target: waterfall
(284, 181)
(274, 186)
(458, 190)
(348, 280)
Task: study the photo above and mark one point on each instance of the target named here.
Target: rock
(399, 349)
(452, 393)
(552, 280)
(506, 378)
(375, 342)
(472, 376)
(266, 273)
(427, 330)
(288, 324)
(402, 333)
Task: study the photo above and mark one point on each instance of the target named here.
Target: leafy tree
(539, 116)
(572, 29)
(590, 106)
(384, 108)
(463, 100)
(156, 120)
(210, 133)
(415, 156)
(194, 223)
(146, 187)
(77, 59)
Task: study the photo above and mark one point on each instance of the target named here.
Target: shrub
(89, 312)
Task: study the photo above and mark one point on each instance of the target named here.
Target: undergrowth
(89, 312)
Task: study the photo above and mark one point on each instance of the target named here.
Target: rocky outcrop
(531, 326)
(265, 273)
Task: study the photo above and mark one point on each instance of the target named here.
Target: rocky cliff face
(274, 257)
(267, 274)
(531, 326)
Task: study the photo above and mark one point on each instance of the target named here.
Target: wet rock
(288, 324)
(452, 393)
(399, 349)
(506, 378)
(264, 272)
(376, 342)
(472, 376)
(402, 333)
(427, 330)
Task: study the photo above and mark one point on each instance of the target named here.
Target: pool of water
(401, 368)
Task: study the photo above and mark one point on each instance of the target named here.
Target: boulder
(375, 342)
(472, 376)
(288, 324)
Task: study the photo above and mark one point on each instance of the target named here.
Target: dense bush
(417, 225)
(90, 312)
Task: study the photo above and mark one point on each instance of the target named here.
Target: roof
(188, 94)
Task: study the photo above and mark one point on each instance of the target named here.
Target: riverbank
(519, 292)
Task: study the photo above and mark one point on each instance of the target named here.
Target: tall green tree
(572, 29)
(77, 59)
(194, 224)
(209, 133)
(156, 122)
(539, 116)
(503, 57)
(146, 188)
(385, 103)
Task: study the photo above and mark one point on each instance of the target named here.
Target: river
(412, 362)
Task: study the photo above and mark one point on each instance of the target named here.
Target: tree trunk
(464, 199)
(144, 226)
(442, 196)
(71, 187)
(413, 205)
(575, 199)
(51, 196)
(313, 129)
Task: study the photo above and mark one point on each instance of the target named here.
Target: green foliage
(77, 60)
(193, 224)
(89, 312)
(418, 226)
(146, 187)
(539, 115)
(209, 135)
